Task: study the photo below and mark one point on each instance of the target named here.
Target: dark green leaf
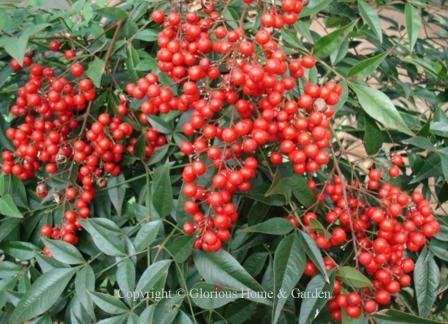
(162, 192)
(366, 67)
(426, 281)
(221, 268)
(64, 252)
(132, 59)
(275, 226)
(392, 315)
(44, 292)
(105, 234)
(420, 142)
(160, 124)
(108, 303)
(373, 137)
(301, 191)
(289, 263)
(117, 191)
(378, 106)
(255, 262)
(85, 282)
(148, 35)
(15, 46)
(439, 248)
(153, 275)
(314, 6)
(353, 277)
(20, 250)
(331, 42)
(219, 296)
(413, 24)
(8, 208)
(95, 71)
(126, 276)
(146, 235)
(181, 247)
(314, 253)
(290, 37)
(371, 18)
(310, 306)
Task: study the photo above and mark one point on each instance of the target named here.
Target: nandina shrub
(223, 161)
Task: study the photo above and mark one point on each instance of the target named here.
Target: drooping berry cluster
(243, 93)
(48, 105)
(382, 223)
(57, 134)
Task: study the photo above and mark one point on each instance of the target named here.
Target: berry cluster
(48, 105)
(52, 136)
(243, 98)
(253, 82)
(381, 233)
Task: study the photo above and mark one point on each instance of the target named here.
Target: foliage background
(134, 242)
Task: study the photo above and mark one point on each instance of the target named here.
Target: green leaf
(108, 303)
(154, 274)
(373, 137)
(117, 191)
(378, 106)
(300, 190)
(290, 37)
(366, 67)
(444, 161)
(223, 269)
(343, 97)
(274, 226)
(167, 310)
(85, 282)
(159, 124)
(15, 46)
(64, 252)
(316, 226)
(95, 71)
(439, 248)
(4, 74)
(126, 276)
(392, 315)
(20, 250)
(148, 35)
(8, 208)
(132, 59)
(420, 142)
(331, 42)
(314, 253)
(44, 292)
(314, 6)
(430, 168)
(371, 18)
(8, 225)
(317, 286)
(413, 24)
(162, 192)
(353, 277)
(112, 12)
(255, 262)
(105, 234)
(146, 235)
(439, 126)
(289, 263)
(219, 296)
(426, 281)
(279, 186)
(181, 247)
(158, 154)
